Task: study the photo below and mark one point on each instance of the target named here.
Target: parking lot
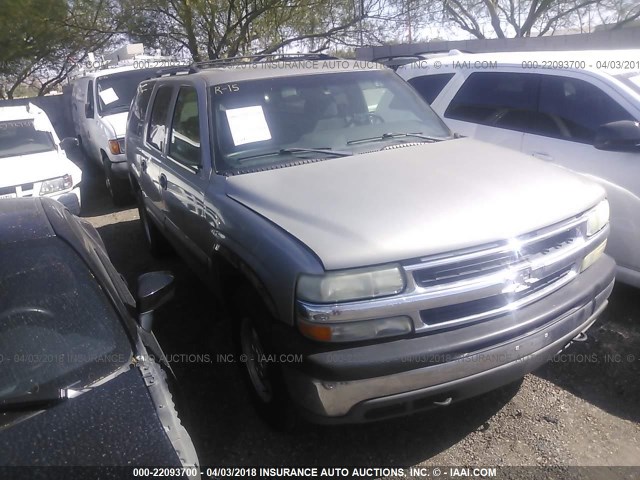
(581, 409)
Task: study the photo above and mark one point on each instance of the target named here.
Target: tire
(119, 189)
(89, 165)
(263, 378)
(157, 244)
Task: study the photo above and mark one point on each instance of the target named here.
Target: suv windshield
(266, 122)
(57, 327)
(116, 91)
(19, 137)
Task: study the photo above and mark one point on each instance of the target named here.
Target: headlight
(357, 284)
(593, 257)
(56, 185)
(117, 146)
(598, 218)
(355, 331)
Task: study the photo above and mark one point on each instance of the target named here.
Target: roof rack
(173, 70)
(266, 58)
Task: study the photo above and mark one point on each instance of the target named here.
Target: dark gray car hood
(114, 424)
(415, 201)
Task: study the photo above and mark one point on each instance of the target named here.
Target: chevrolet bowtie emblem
(520, 281)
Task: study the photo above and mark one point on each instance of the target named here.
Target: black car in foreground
(82, 382)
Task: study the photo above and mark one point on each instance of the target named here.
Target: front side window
(430, 86)
(20, 137)
(184, 143)
(505, 100)
(577, 108)
(156, 133)
(138, 110)
(267, 122)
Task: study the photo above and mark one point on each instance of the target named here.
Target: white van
(32, 158)
(99, 106)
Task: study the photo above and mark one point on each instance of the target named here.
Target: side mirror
(69, 143)
(622, 136)
(154, 290)
(88, 110)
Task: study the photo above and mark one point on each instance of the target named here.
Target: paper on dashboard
(108, 96)
(248, 125)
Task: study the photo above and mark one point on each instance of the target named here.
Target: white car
(32, 158)
(578, 109)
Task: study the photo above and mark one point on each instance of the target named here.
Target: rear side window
(184, 145)
(506, 100)
(577, 108)
(157, 130)
(430, 86)
(139, 109)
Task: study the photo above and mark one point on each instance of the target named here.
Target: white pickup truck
(32, 158)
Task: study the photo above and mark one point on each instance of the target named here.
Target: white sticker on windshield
(108, 96)
(247, 125)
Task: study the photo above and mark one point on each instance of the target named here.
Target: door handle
(163, 181)
(542, 156)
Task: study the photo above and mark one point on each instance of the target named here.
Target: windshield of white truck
(19, 137)
(116, 91)
(274, 121)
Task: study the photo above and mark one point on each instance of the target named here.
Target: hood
(113, 424)
(36, 167)
(409, 202)
(117, 122)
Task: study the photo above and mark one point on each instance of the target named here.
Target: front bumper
(391, 379)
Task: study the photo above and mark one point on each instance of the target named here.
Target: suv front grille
(489, 306)
(479, 284)
(491, 263)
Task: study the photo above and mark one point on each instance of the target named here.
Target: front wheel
(263, 375)
(119, 189)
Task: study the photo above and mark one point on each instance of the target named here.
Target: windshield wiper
(389, 136)
(293, 150)
(39, 399)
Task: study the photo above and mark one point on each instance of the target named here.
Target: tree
(619, 13)
(41, 42)
(210, 29)
(513, 18)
